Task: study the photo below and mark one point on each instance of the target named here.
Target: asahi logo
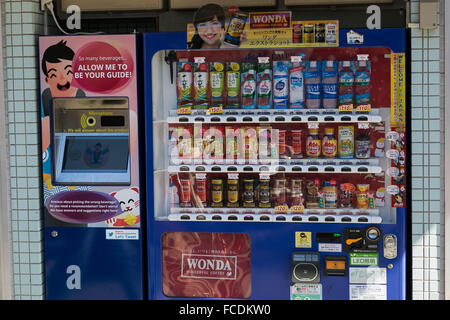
(208, 266)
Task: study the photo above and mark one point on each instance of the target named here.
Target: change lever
(170, 58)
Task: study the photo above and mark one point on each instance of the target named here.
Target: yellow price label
(346, 108)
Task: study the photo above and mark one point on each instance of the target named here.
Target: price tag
(364, 108)
(200, 176)
(392, 154)
(296, 59)
(393, 172)
(264, 176)
(346, 108)
(363, 125)
(392, 136)
(392, 189)
(233, 176)
(215, 110)
(313, 125)
(363, 57)
(184, 110)
(199, 59)
(263, 59)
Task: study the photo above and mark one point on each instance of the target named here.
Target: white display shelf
(273, 116)
(300, 166)
(269, 215)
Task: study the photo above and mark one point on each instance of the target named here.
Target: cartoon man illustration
(57, 67)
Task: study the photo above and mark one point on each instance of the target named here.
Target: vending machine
(277, 171)
(90, 167)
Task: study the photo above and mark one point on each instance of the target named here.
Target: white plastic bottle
(280, 85)
(330, 85)
(312, 85)
(296, 87)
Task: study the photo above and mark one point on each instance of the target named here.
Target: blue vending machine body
(271, 251)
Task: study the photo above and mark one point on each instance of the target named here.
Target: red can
(200, 190)
(296, 136)
(185, 185)
(282, 142)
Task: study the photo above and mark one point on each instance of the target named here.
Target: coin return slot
(335, 266)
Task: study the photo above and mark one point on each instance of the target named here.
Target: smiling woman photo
(209, 23)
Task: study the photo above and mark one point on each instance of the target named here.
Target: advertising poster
(257, 30)
(84, 70)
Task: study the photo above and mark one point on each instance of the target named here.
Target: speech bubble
(83, 207)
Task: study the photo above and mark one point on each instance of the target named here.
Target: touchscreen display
(94, 154)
